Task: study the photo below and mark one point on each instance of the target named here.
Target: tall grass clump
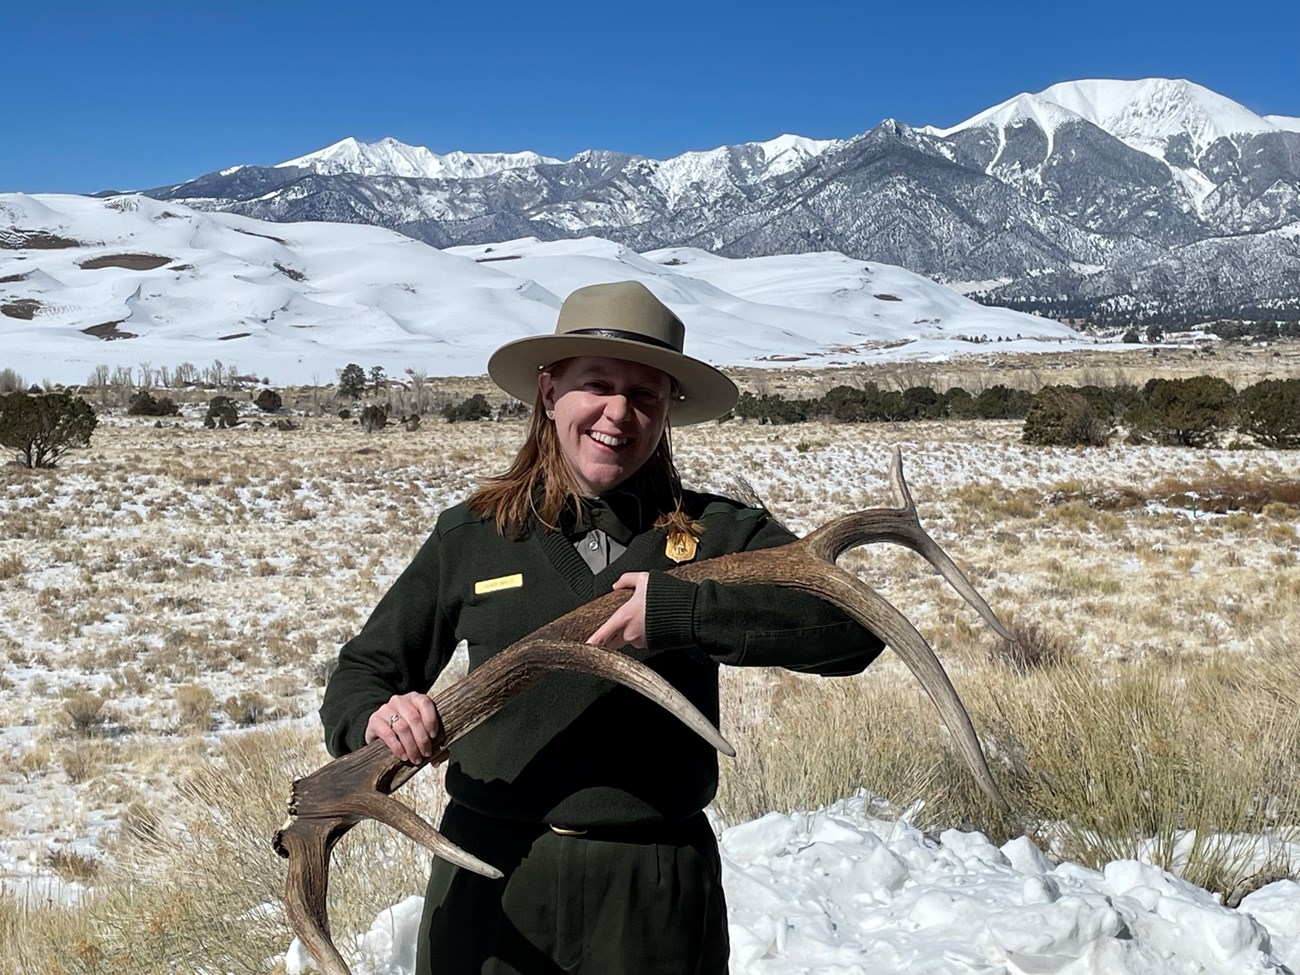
(1193, 766)
(200, 890)
(1189, 766)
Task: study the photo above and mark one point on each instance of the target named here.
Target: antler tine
(305, 889)
(463, 707)
(902, 526)
(323, 806)
(872, 610)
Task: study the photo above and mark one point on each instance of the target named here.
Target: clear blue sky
(130, 95)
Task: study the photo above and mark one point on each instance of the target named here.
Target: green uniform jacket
(575, 749)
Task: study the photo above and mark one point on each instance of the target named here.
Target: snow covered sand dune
(295, 302)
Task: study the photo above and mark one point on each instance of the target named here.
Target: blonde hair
(538, 484)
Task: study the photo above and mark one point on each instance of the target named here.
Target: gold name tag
(501, 582)
(681, 547)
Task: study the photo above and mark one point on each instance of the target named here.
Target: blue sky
(131, 95)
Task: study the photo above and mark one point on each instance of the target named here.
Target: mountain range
(1101, 199)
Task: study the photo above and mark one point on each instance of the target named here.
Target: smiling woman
(609, 416)
(589, 799)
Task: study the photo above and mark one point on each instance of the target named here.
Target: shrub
(85, 710)
(373, 418)
(1062, 416)
(515, 408)
(41, 428)
(922, 403)
(1002, 403)
(1183, 412)
(1270, 412)
(844, 403)
(143, 403)
(194, 701)
(247, 709)
(1032, 647)
(268, 401)
(221, 413)
(959, 404)
(475, 407)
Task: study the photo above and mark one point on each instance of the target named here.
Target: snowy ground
(168, 557)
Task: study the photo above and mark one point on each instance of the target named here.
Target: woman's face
(609, 417)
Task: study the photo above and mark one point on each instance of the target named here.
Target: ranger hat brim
(621, 320)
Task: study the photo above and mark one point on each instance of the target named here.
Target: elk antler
(326, 804)
(329, 802)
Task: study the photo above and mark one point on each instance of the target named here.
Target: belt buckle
(566, 831)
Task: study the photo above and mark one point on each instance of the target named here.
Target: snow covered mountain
(1108, 198)
(1146, 114)
(128, 280)
(388, 157)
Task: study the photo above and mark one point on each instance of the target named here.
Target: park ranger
(587, 796)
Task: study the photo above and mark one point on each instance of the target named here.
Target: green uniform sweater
(575, 749)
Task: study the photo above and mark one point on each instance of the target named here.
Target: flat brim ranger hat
(620, 320)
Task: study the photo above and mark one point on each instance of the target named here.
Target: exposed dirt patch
(108, 331)
(10, 278)
(508, 257)
(131, 262)
(14, 239)
(236, 335)
(182, 267)
(291, 273)
(887, 297)
(24, 308)
(249, 233)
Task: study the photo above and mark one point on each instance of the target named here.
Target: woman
(588, 797)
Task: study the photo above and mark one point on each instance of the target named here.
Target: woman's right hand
(407, 724)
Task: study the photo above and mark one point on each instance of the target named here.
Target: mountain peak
(1144, 114)
(1147, 112)
(1047, 114)
(392, 157)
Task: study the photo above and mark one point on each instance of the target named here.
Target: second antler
(326, 804)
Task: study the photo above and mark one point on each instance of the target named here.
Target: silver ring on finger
(393, 719)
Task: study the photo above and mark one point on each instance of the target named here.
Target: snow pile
(843, 892)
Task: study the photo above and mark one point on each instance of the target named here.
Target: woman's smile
(609, 417)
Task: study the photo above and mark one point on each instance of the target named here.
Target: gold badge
(501, 582)
(681, 546)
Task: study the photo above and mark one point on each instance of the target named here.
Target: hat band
(616, 333)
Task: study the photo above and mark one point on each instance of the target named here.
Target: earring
(550, 414)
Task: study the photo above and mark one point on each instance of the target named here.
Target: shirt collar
(618, 513)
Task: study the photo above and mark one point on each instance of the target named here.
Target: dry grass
(1175, 765)
(202, 581)
(192, 885)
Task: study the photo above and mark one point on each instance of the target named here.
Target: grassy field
(172, 598)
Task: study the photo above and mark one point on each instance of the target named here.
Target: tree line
(1195, 412)
(1201, 411)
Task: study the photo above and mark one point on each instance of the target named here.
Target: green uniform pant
(610, 903)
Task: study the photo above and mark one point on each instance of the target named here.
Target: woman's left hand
(626, 625)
